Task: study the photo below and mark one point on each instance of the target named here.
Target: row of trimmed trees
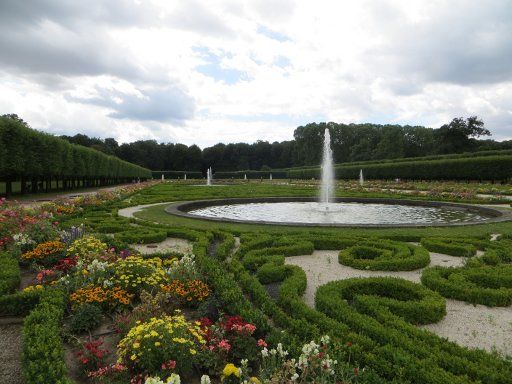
(40, 161)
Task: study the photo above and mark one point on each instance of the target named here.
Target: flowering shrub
(229, 339)
(92, 355)
(187, 292)
(314, 365)
(183, 269)
(135, 273)
(47, 250)
(86, 248)
(150, 345)
(111, 371)
(100, 295)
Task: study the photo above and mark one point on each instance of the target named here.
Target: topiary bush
(385, 256)
(413, 302)
(487, 285)
(85, 318)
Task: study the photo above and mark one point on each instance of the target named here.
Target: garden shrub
(384, 255)
(453, 246)
(142, 235)
(487, 285)
(43, 354)
(271, 273)
(85, 318)
(9, 273)
(18, 303)
(413, 302)
(159, 340)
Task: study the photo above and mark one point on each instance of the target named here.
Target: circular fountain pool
(344, 212)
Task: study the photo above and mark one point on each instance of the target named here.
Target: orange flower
(44, 250)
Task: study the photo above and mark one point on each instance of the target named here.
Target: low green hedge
(9, 273)
(382, 340)
(142, 235)
(384, 256)
(454, 246)
(18, 303)
(413, 302)
(487, 285)
(43, 354)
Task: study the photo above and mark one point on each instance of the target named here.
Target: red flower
(356, 371)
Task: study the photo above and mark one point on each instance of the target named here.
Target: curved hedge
(29, 155)
(487, 285)
(497, 167)
(411, 301)
(454, 246)
(384, 256)
(383, 341)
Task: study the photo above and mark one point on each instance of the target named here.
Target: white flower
(325, 339)
(174, 379)
(295, 376)
(264, 352)
(281, 351)
(205, 379)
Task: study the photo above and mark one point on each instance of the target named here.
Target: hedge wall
(466, 168)
(27, 155)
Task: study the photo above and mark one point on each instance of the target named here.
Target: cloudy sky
(213, 71)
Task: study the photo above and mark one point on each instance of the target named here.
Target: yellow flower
(254, 380)
(157, 343)
(133, 357)
(230, 369)
(136, 345)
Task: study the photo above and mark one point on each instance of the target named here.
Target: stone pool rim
(494, 214)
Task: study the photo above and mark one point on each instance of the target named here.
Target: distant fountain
(270, 178)
(209, 176)
(185, 177)
(163, 177)
(245, 176)
(361, 178)
(327, 186)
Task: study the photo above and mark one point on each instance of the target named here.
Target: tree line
(39, 161)
(350, 142)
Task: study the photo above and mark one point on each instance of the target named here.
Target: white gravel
(128, 212)
(168, 245)
(468, 325)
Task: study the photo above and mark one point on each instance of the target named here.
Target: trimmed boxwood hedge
(454, 246)
(9, 273)
(43, 354)
(382, 341)
(467, 168)
(411, 301)
(488, 285)
(384, 256)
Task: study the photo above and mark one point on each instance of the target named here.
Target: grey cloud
(170, 104)
(195, 16)
(49, 38)
(71, 13)
(463, 42)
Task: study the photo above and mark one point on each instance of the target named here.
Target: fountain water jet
(209, 176)
(327, 185)
(361, 178)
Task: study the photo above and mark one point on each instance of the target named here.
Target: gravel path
(472, 326)
(10, 354)
(168, 245)
(128, 212)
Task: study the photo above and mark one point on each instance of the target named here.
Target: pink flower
(262, 343)
(223, 344)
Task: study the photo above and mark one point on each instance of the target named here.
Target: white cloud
(138, 72)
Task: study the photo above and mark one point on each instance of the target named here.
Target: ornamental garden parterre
(96, 310)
